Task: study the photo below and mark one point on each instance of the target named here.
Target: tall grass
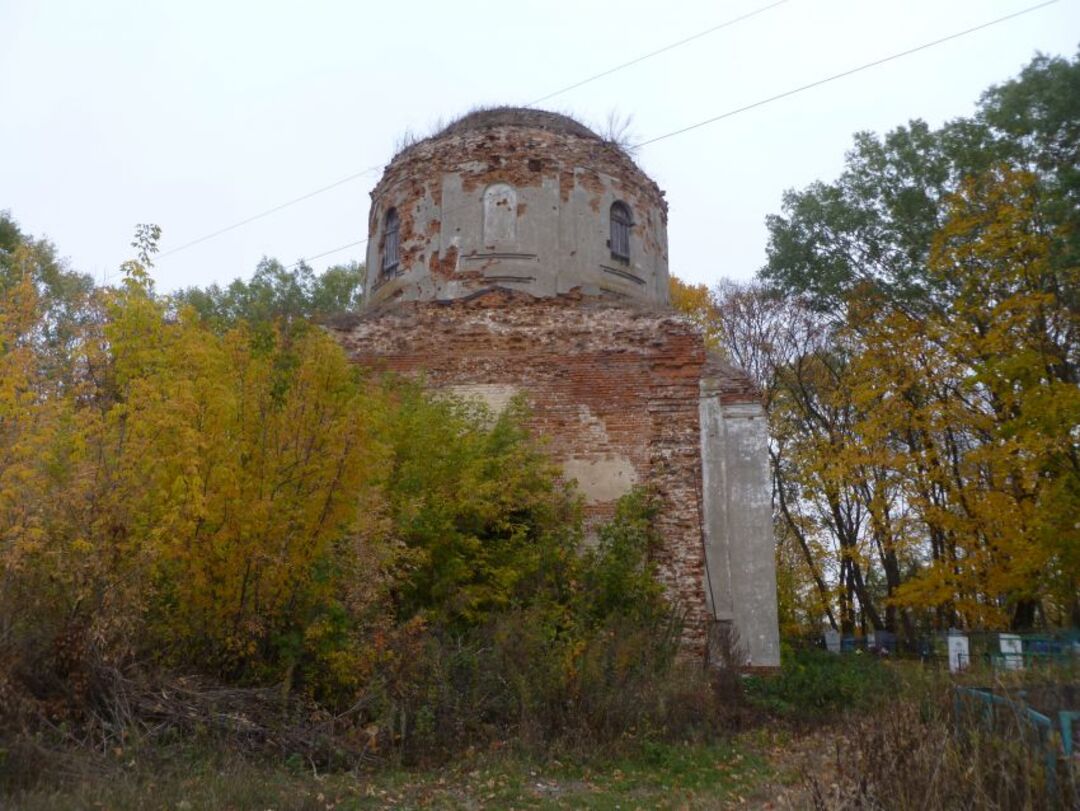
(924, 751)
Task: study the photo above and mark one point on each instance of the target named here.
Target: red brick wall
(602, 379)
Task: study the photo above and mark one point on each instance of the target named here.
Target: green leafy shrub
(586, 653)
(813, 683)
(218, 527)
(476, 510)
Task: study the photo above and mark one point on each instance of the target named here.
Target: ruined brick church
(517, 252)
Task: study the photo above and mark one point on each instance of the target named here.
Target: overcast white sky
(196, 114)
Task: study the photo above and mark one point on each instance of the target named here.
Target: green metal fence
(1053, 734)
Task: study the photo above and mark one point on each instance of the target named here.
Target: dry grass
(666, 741)
(646, 776)
(918, 754)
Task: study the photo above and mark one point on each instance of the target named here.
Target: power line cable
(841, 75)
(448, 210)
(551, 95)
(793, 91)
(326, 253)
(657, 52)
(270, 211)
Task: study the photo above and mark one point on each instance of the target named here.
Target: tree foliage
(278, 294)
(62, 295)
(694, 301)
(221, 491)
(976, 410)
(877, 222)
(916, 331)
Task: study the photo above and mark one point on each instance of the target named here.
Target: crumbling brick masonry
(517, 252)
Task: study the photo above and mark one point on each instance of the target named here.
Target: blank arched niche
(500, 215)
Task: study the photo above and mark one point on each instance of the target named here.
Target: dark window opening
(620, 231)
(391, 241)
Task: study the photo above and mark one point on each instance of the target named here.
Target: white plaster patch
(591, 426)
(601, 478)
(496, 396)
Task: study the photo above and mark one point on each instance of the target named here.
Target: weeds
(814, 685)
(918, 754)
(585, 658)
(653, 776)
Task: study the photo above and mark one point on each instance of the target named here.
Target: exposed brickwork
(533, 298)
(731, 383)
(519, 147)
(570, 175)
(603, 380)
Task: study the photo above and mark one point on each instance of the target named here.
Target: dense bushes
(814, 684)
(207, 513)
(562, 663)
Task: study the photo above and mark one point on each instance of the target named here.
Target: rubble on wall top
(517, 117)
(501, 296)
(487, 118)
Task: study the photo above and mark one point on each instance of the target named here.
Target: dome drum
(520, 206)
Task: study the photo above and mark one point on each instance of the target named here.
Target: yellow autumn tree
(925, 452)
(188, 493)
(38, 437)
(696, 303)
(973, 408)
(20, 396)
(245, 503)
(241, 469)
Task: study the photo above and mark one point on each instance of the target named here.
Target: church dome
(518, 117)
(520, 199)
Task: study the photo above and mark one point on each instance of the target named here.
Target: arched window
(620, 231)
(391, 241)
